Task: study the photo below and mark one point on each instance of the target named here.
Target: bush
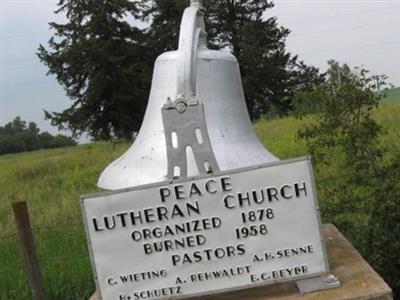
(364, 198)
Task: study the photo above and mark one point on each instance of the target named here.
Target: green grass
(52, 181)
(280, 135)
(393, 95)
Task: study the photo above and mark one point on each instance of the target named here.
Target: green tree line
(18, 136)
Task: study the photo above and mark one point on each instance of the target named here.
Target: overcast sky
(357, 32)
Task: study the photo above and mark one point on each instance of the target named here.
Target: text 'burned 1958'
(256, 226)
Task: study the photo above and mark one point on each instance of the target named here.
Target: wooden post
(31, 261)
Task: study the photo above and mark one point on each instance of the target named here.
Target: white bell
(192, 80)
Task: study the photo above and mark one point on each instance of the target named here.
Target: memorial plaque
(206, 234)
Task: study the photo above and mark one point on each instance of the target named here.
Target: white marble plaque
(209, 234)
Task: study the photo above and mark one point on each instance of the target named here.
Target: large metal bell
(196, 120)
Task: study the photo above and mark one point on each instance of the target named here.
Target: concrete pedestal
(358, 280)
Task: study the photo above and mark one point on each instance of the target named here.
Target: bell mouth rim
(205, 54)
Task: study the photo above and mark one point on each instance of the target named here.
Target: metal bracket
(185, 126)
(317, 283)
(184, 120)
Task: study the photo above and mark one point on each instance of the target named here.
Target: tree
(270, 74)
(104, 63)
(362, 198)
(164, 19)
(16, 137)
(100, 60)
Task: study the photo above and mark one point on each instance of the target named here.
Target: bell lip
(105, 183)
(108, 187)
(205, 54)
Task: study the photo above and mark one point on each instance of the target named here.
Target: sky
(355, 32)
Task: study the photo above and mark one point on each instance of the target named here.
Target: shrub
(363, 199)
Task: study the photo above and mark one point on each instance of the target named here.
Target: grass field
(52, 181)
(393, 95)
(279, 135)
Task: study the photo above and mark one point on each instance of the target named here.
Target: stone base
(358, 280)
